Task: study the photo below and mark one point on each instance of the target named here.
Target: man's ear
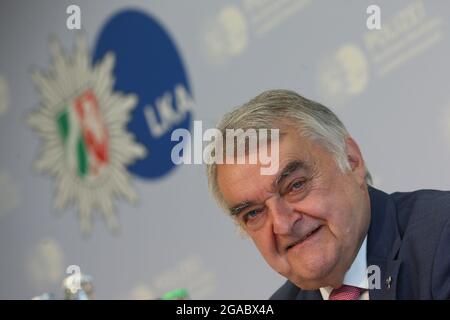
(355, 159)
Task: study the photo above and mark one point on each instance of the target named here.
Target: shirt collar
(357, 274)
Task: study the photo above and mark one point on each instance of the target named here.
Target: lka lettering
(163, 115)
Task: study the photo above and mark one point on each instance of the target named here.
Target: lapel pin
(388, 282)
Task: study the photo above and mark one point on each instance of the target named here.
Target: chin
(314, 274)
(308, 285)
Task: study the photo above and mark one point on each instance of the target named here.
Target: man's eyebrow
(287, 170)
(235, 210)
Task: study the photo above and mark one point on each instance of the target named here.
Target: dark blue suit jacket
(409, 239)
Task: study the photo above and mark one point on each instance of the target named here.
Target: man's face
(309, 219)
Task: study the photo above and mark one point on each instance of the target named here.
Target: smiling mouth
(306, 237)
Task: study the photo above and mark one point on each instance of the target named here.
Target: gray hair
(278, 108)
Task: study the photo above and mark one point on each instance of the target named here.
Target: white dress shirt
(356, 276)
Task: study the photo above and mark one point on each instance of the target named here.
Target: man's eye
(252, 215)
(254, 219)
(297, 185)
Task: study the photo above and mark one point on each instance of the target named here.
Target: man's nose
(283, 215)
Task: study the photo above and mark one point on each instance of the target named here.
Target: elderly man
(319, 223)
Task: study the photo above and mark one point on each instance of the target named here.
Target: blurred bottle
(78, 286)
(177, 294)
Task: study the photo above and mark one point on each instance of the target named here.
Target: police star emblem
(82, 124)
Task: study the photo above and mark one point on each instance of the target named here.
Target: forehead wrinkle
(256, 199)
(243, 199)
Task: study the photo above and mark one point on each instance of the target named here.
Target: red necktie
(345, 292)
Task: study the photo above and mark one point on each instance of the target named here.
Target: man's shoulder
(425, 206)
(424, 224)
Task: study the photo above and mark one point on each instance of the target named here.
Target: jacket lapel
(383, 245)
